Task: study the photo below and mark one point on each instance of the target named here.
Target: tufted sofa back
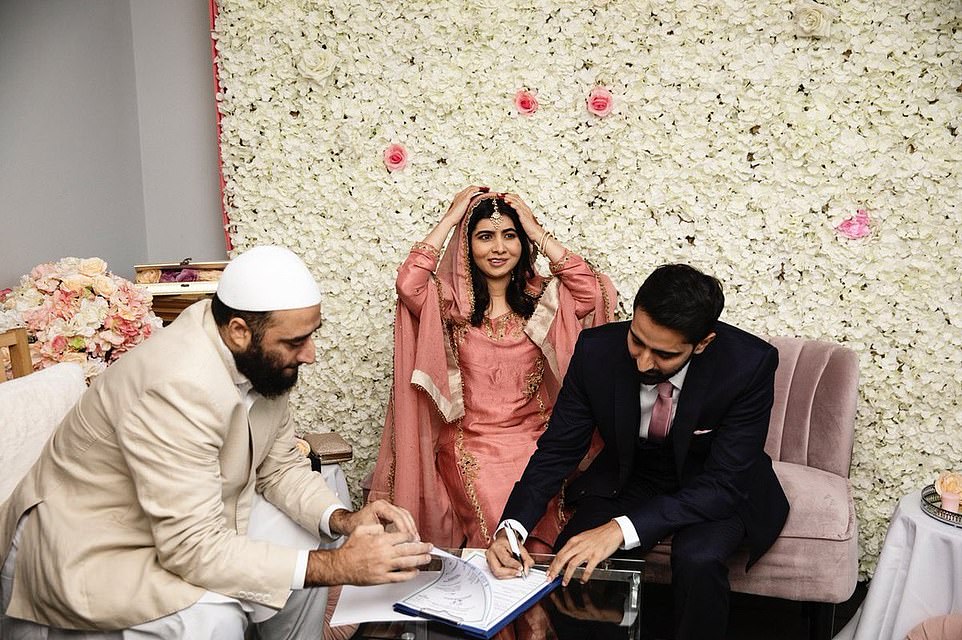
(816, 391)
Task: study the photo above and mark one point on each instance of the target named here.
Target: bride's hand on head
(451, 218)
(459, 206)
(525, 215)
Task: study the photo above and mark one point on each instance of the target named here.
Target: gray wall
(107, 141)
(178, 130)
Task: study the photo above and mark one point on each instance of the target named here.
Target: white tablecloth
(919, 575)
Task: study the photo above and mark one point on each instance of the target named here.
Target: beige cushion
(31, 407)
(821, 507)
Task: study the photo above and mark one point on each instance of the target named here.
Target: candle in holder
(950, 501)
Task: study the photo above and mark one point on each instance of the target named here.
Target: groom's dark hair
(682, 298)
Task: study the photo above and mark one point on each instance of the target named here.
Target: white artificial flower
(317, 64)
(10, 319)
(813, 20)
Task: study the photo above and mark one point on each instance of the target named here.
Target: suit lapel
(698, 380)
(254, 447)
(236, 452)
(627, 412)
(235, 464)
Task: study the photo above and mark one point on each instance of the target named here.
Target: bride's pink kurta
(508, 393)
(506, 407)
(468, 403)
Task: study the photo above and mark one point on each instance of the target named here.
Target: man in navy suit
(708, 483)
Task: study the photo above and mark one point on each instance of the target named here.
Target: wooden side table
(15, 340)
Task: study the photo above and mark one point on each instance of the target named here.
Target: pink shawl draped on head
(427, 389)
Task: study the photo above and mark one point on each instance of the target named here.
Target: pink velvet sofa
(815, 559)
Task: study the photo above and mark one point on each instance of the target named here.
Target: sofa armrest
(31, 407)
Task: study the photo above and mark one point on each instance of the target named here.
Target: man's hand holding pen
(506, 556)
(515, 547)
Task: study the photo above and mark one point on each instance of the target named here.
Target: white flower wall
(742, 134)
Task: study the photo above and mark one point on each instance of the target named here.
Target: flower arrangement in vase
(75, 310)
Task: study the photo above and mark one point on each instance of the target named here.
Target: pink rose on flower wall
(600, 101)
(857, 227)
(395, 157)
(526, 102)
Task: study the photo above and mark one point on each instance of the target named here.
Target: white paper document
(376, 603)
(464, 593)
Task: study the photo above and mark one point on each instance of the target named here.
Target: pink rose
(42, 271)
(395, 157)
(111, 337)
(600, 102)
(857, 227)
(64, 304)
(44, 278)
(526, 102)
(58, 344)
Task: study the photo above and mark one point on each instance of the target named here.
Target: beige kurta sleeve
(286, 480)
(171, 441)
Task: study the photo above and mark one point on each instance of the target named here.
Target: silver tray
(932, 506)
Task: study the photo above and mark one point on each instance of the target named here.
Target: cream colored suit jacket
(142, 495)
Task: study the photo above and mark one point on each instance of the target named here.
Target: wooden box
(177, 285)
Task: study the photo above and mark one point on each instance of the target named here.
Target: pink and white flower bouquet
(75, 310)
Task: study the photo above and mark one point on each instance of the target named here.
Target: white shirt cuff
(628, 533)
(326, 520)
(521, 531)
(300, 569)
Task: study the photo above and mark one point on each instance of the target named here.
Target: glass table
(607, 606)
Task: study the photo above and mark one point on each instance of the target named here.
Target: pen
(513, 543)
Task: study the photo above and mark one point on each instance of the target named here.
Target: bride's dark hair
(517, 298)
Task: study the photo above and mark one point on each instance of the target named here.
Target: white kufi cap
(268, 278)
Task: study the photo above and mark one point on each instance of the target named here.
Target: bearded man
(134, 521)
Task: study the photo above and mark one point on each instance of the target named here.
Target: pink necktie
(661, 413)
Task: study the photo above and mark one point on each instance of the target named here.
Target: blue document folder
(467, 596)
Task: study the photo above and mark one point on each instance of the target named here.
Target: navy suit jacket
(728, 393)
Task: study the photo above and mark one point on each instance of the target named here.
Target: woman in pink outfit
(482, 342)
